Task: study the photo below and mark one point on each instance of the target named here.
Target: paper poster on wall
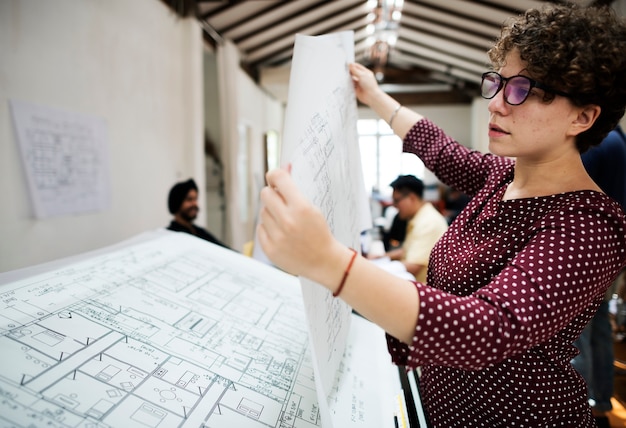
(65, 158)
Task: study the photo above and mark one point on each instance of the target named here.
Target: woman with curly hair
(523, 268)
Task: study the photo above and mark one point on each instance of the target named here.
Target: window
(382, 159)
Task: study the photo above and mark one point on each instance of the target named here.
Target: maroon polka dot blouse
(510, 286)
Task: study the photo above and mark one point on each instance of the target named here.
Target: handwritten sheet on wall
(65, 157)
(321, 142)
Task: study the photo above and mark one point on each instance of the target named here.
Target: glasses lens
(490, 85)
(517, 90)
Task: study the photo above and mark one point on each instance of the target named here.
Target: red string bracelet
(345, 274)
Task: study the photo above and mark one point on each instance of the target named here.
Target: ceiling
(438, 58)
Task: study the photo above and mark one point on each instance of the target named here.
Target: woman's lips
(496, 131)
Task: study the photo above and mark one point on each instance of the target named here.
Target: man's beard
(189, 214)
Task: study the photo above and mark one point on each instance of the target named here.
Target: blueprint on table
(169, 332)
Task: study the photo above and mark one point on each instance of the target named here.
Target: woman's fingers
(279, 220)
(267, 215)
(281, 182)
(273, 215)
(358, 71)
(364, 82)
(266, 231)
(292, 232)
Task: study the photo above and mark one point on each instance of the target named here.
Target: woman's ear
(585, 119)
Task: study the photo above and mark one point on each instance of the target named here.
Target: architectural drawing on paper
(317, 147)
(321, 142)
(321, 139)
(171, 332)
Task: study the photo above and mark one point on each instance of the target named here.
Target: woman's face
(535, 129)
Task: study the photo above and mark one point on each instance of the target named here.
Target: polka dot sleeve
(450, 161)
(510, 285)
(509, 276)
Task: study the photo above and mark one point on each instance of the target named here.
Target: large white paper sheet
(167, 330)
(65, 157)
(170, 332)
(367, 383)
(321, 143)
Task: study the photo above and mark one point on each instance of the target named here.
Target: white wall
(215, 199)
(261, 113)
(133, 63)
(247, 113)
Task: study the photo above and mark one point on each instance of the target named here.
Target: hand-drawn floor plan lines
(174, 332)
(324, 164)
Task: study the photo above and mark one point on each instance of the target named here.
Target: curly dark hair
(578, 50)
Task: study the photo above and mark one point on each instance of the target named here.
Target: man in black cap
(183, 204)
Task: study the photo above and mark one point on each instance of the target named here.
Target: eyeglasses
(516, 88)
(396, 201)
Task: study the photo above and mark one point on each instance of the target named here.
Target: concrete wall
(132, 63)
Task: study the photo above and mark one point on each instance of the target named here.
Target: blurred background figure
(424, 225)
(606, 164)
(183, 205)
(453, 202)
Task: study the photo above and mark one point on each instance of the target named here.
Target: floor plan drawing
(321, 143)
(173, 332)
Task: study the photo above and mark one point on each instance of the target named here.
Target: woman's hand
(365, 84)
(293, 233)
(295, 236)
(369, 93)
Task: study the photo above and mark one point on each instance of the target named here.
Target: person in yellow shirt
(425, 225)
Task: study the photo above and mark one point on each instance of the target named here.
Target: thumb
(281, 182)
